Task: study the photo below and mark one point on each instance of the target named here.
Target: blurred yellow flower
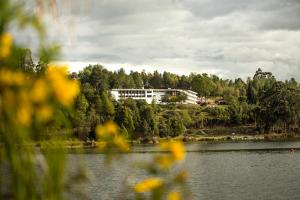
(101, 131)
(181, 176)
(5, 45)
(176, 148)
(102, 145)
(18, 78)
(148, 185)
(8, 98)
(178, 151)
(164, 162)
(44, 113)
(111, 127)
(24, 114)
(109, 133)
(64, 89)
(121, 143)
(174, 195)
(54, 70)
(108, 129)
(39, 91)
(8, 77)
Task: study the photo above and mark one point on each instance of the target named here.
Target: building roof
(161, 90)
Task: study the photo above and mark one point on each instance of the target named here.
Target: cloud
(230, 38)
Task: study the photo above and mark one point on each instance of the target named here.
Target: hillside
(260, 105)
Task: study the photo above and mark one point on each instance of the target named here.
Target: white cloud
(231, 38)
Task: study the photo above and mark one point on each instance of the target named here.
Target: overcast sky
(230, 38)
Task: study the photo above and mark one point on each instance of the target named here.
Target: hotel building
(153, 94)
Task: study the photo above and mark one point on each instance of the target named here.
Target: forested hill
(261, 101)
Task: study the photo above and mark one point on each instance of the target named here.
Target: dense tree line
(262, 101)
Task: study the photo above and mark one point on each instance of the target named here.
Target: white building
(153, 94)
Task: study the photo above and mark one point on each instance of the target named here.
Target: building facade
(150, 95)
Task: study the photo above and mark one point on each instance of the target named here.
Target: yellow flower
(39, 91)
(148, 184)
(181, 176)
(18, 78)
(174, 195)
(5, 45)
(102, 145)
(101, 131)
(68, 93)
(178, 151)
(24, 114)
(176, 148)
(8, 98)
(8, 77)
(109, 133)
(108, 129)
(64, 89)
(164, 162)
(111, 127)
(120, 142)
(54, 70)
(44, 112)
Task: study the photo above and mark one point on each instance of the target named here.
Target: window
(149, 95)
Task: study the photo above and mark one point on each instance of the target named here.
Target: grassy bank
(188, 138)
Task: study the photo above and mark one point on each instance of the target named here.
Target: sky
(229, 38)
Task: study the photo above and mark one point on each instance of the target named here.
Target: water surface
(243, 170)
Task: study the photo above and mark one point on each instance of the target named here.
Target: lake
(231, 170)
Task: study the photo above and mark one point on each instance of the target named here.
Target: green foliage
(55, 157)
(171, 123)
(149, 124)
(279, 103)
(176, 98)
(107, 106)
(156, 80)
(216, 115)
(186, 118)
(176, 125)
(124, 117)
(31, 103)
(203, 85)
(246, 102)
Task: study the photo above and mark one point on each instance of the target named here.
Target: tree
(171, 98)
(108, 108)
(99, 78)
(184, 83)
(149, 125)
(164, 128)
(137, 78)
(156, 80)
(80, 119)
(176, 125)
(278, 103)
(26, 62)
(81, 106)
(202, 85)
(169, 80)
(132, 105)
(122, 80)
(124, 118)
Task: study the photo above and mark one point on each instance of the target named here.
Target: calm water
(248, 170)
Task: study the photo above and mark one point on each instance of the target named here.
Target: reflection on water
(272, 172)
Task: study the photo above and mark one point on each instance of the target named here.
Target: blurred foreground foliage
(34, 97)
(30, 100)
(162, 181)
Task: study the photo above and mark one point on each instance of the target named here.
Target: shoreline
(77, 144)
